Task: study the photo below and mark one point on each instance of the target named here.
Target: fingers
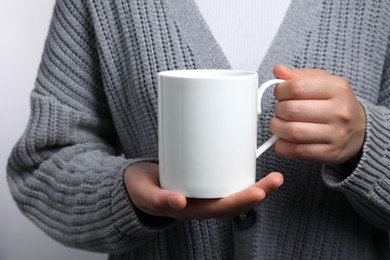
(222, 208)
(315, 111)
(270, 182)
(318, 116)
(234, 204)
(309, 151)
(282, 72)
(142, 183)
(243, 201)
(301, 132)
(308, 87)
(307, 84)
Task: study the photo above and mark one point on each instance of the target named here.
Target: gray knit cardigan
(94, 112)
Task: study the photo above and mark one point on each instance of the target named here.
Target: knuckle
(279, 148)
(298, 151)
(344, 115)
(343, 134)
(294, 132)
(277, 91)
(273, 124)
(155, 203)
(342, 84)
(297, 87)
(291, 109)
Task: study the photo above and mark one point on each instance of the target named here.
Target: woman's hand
(317, 117)
(143, 186)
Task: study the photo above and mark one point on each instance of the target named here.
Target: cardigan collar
(300, 19)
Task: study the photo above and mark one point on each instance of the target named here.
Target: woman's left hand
(317, 117)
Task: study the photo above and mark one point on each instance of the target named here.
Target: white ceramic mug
(207, 123)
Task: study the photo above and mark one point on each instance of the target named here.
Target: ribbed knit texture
(94, 112)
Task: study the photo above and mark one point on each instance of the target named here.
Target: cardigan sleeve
(367, 186)
(66, 171)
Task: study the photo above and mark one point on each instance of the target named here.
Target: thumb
(282, 72)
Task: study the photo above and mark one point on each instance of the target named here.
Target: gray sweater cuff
(373, 165)
(366, 185)
(128, 219)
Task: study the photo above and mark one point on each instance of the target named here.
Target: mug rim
(207, 73)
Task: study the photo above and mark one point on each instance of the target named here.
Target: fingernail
(172, 201)
(262, 194)
(285, 67)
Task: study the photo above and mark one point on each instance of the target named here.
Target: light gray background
(23, 29)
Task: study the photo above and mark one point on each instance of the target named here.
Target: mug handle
(260, 93)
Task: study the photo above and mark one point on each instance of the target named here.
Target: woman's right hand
(143, 186)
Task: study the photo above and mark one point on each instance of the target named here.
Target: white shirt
(244, 29)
